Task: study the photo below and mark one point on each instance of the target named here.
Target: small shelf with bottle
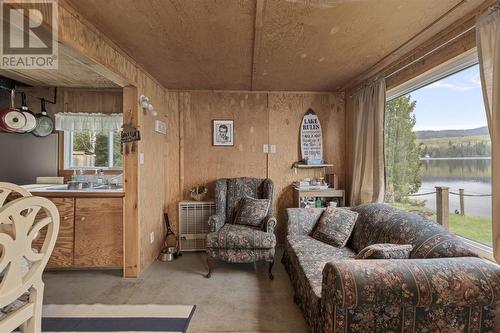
(310, 198)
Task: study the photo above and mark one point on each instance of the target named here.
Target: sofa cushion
(385, 251)
(251, 212)
(312, 256)
(304, 259)
(380, 223)
(335, 226)
(234, 236)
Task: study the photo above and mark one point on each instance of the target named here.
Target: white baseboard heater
(193, 224)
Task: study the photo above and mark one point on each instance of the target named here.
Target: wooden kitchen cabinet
(98, 232)
(62, 256)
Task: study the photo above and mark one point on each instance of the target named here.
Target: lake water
(473, 175)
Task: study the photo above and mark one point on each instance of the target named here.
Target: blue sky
(455, 102)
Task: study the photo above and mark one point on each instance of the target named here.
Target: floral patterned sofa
(443, 287)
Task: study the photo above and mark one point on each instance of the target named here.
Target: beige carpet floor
(238, 298)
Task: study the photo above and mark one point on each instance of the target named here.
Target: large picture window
(92, 150)
(436, 135)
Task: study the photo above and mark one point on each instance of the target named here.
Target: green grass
(472, 227)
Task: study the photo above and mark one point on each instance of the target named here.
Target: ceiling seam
(257, 37)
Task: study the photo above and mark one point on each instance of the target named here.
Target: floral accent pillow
(385, 251)
(251, 212)
(335, 226)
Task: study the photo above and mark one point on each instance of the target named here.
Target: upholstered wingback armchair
(235, 243)
(21, 267)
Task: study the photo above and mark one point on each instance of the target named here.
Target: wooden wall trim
(131, 232)
(419, 47)
(291, 92)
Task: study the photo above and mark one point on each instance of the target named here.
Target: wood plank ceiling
(295, 45)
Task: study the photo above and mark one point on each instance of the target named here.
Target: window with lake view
(437, 136)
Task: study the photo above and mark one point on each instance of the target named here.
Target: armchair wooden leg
(271, 264)
(210, 267)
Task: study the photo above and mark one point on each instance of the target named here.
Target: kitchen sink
(86, 187)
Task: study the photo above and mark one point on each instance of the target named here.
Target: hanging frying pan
(11, 119)
(30, 117)
(44, 125)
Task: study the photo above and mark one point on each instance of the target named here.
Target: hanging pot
(11, 119)
(30, 117)
(44, 124)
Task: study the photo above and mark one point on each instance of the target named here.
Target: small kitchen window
(92, 150)
(91, 140)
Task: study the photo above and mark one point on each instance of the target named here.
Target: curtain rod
(451, 40)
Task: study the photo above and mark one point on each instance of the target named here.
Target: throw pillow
(385, 251)
(251, 211)
(335, 226)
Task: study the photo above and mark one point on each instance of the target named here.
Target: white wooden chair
(18, 228)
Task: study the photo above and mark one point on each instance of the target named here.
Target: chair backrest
(229, 191)
(21, 221)
(6, 189)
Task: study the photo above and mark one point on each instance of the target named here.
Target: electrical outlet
(160, 127)
(265, 148)
(141, 158)
(152, 237)
(273, 149)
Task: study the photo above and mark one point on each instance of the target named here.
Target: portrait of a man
(223, 133)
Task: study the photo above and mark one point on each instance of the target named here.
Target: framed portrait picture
(223, 132)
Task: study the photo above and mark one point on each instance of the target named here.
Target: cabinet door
(62, 256)
(98, 232)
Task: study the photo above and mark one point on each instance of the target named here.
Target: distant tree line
(454, 149)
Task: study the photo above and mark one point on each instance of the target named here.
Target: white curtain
(488, 46)
(368, 170)
(96, 122)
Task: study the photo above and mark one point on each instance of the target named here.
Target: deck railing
(443, 202)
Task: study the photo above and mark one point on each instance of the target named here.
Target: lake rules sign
(311, 138)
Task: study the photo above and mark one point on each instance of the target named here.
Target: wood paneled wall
(259, 118)
(285, 115)
(145, 197)
(204, 163)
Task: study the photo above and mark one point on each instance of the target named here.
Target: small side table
(328, 193)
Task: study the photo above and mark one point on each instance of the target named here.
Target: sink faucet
(111, 179)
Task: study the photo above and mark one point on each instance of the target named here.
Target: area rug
(117, 318)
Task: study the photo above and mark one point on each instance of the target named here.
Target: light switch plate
(160, 127)
(152, 237)
(273, 149)
(265, 148)
(141, 158)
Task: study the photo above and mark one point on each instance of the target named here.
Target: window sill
(484, 251)
(93, 169)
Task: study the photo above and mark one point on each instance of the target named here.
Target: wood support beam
(131, 228)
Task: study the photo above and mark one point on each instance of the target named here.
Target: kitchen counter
(47, 190)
